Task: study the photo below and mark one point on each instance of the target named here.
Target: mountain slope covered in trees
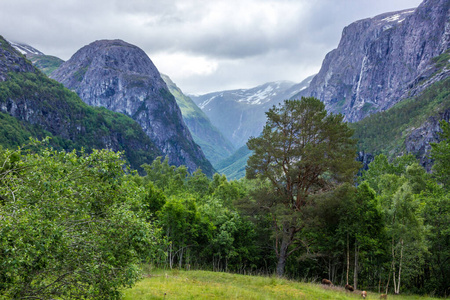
(215, 146)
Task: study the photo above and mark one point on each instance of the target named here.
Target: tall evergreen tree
(302, 151)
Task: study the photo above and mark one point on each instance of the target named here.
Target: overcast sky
(203, 45)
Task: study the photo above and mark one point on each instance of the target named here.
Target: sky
(202, 45)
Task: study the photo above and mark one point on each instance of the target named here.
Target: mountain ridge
(382, 60)
(33, 105)
(121, 77)
(240, 113)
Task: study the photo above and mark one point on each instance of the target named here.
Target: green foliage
(436, 269)
(440, 153)
(67, 229)
(302, 151)
(234, 166)
(442, 60)
(199, 219)
(398, 186)
(46, 63)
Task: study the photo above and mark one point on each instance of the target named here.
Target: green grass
(46, 63)
(177, 284)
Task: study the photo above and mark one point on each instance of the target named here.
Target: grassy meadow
(175, 284)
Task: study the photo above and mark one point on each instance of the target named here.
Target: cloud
(202, 45)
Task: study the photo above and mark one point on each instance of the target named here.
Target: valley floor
(175, 284)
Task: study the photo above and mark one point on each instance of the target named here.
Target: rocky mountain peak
(380, 60)
(121, 77)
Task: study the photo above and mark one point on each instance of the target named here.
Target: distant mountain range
(215, 146)
(239, 114)
(46, 63)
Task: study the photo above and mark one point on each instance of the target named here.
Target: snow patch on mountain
(25, 49)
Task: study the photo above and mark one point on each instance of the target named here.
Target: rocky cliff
(31, 104)
(383, 60)
(12, 61)
(122, 78)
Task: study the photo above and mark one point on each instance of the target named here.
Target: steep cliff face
(12, 61)
(42, 107)
(122, 78)
(419, 140)
(382, 60)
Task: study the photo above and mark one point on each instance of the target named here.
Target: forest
(82, 224)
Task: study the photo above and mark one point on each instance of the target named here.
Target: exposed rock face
(382, 60)
(239, 114)
(122, 78)
(11, 61)
(45, 105)
(418, 142)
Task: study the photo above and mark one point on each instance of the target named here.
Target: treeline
(78, 225)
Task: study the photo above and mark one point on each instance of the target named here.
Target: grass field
(176, 284)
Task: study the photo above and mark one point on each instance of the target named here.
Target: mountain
(215, 146)
(122, 78)
(32, 105)
(390, 75)
(46, 63)
(239, 114)
(382, 60)
(234, 165)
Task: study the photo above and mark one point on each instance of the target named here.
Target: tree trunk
(355, 274)
(348, 258)
(282, 256)
(180, 263)
(397, 288)
(170, 256)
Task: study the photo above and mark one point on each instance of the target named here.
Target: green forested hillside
(46, 63)
(234, 165)
(214, 145)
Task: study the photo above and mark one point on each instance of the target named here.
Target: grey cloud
(249, 47)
